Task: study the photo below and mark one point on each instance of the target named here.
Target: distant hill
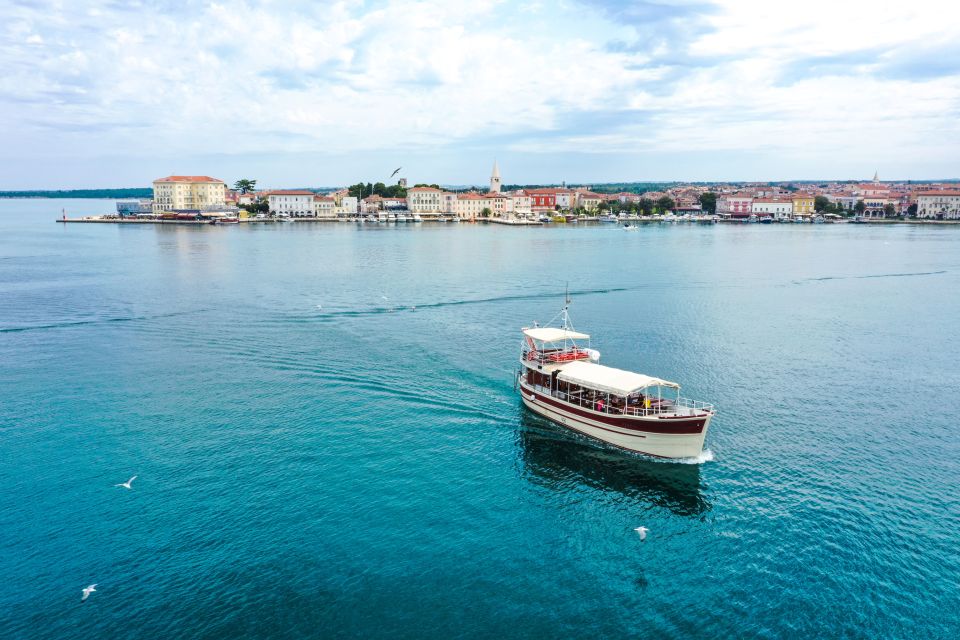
(115, 194)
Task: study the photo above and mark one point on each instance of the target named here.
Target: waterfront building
(520, 204)
(500, 205)
(134, 207)
(542, 200)
(777, 208)
(844, 200)
(470, 206)
(803, 204)
(324, 207)
(294, 203)
(189, 193)
(448, 202)
(390, 202)
(589, 201)
(425, 200)
(565, 198)
(734, 205)
(940, 204)
(495, 178)
(347, 206)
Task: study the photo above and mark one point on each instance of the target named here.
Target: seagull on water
(126, 485)
(87, 592)
(642, 532)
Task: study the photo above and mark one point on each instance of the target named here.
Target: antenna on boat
(566, 306)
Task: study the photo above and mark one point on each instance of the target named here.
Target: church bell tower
(495, 179)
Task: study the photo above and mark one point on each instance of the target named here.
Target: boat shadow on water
(554, 457)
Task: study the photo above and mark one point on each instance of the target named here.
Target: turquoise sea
(318, 459)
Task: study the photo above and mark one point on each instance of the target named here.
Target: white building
(775, 207)
(939, 205)
(348, 206)
(189, 193)
(425, 200)
(521, 204)
(294, 203)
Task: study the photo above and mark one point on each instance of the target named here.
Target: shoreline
(499, 221)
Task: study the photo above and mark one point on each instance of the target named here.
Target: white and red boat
(561, 379)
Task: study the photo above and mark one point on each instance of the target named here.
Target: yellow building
(802, 204)
(188, 193)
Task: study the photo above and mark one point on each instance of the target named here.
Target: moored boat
(561, 379)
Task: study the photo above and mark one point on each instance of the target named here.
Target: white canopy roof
(553, 334)
(608, 379)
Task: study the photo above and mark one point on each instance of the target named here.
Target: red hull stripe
(677, 426)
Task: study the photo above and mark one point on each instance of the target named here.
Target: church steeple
(495, 178)
(876, 177)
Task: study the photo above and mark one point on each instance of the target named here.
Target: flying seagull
(396, 172)
(642, 532)
(126, 485)
(87, 592)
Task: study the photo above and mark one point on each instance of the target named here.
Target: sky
(116, 93)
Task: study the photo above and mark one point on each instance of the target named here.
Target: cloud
(267, 79)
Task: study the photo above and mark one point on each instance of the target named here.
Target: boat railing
(656, 406)
(554, 356)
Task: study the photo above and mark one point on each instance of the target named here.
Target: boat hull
(658, 437)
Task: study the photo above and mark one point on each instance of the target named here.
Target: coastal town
(203, 199)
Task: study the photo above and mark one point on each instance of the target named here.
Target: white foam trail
(705, 456)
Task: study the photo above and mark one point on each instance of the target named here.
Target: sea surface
(327, 441)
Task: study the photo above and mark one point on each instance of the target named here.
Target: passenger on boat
(600, 404)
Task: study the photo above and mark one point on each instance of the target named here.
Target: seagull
(413, 308)
(396, 172)
(126, 485)
(385, 297)
(87, 592)
(642, 532)
(320, 306)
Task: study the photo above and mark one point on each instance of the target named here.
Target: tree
(859, 207)
(244, 185)
(645, 206)
(423, 184)
(889, 211)
(912, 210)
(820, 203)
(603, 206)
(666, 203)
(708, 202)
(486, 212)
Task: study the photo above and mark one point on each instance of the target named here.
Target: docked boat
(561, 379)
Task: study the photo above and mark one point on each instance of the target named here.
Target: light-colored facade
(294, 203)
(521, 204)
(589, 201)
(324, 207)
(495, 178)
(188, 193)
(775, 207)
(939, 205)
(347, 206)
(565, 199)
(735, 206)
(470, 206)
(425, 200)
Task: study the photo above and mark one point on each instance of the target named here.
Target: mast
(566, 306)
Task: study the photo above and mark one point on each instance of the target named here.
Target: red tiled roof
(189, 179)
(939, 193)
(423, 189)
(292, 192)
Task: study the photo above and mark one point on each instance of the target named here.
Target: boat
(417, 218)
(818, 220)
(766, 219)
(561, 379)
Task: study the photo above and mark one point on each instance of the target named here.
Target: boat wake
(876, 275)
(705, 456)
